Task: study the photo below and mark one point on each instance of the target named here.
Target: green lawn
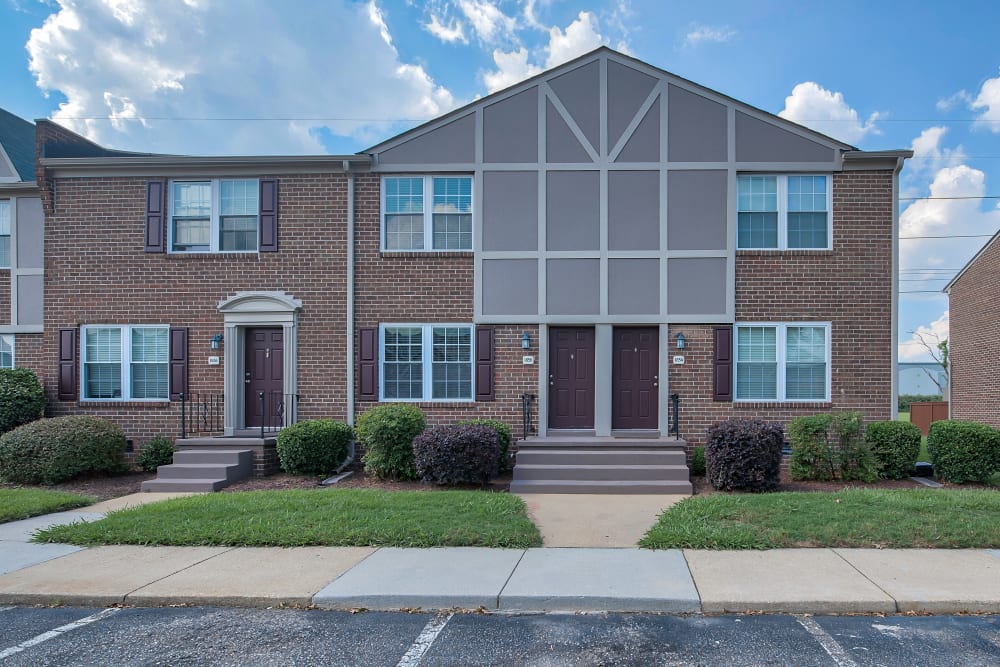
(331, 517)
(853, 518)
(17, 504)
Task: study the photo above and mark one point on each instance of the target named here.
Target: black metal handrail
(527, 415)
(277, 410)
(675, 424)
(202, 414)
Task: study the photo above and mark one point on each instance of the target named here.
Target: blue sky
(228, 77)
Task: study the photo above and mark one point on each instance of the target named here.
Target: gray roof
(17, 136)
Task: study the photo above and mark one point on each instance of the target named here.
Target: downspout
(350, 311)
(894, 411)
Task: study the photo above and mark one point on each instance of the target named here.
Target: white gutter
(350, 312)
(894, 412)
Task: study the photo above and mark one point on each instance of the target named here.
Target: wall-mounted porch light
(216, 341)
(681, 341)
(525, 341)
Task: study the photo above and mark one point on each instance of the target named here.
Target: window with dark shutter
(178, 363)
(268, 215)
(156, 215)
(722, 364)
(368, 364)
(67, 365)
(484, 364)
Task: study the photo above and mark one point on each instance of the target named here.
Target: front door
(264, 377)
(571, 377)
(635, 378)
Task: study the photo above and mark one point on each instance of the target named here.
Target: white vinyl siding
(777, 212)
(426, 213)
(426, 362)
(125, 363)
(214, 215)
(6, 352)
(782, 362)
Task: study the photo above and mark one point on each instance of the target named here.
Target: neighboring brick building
(974, 337)
(558, 238)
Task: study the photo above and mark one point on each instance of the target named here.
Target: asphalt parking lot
(205, 635)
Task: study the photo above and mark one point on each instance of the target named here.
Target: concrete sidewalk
(819, 581)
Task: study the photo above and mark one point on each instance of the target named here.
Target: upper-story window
(214, 216)
(427, 213)
(126, 363)
(4, 233)
(783, 212)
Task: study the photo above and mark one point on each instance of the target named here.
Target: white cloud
(135, 73)
(579, 37)
(960, 98)
(929, 156)
(705, 34)
(512, 67)
(988, 100)
(827, 112)
(454, 31)
(490, 23)
(915, 350)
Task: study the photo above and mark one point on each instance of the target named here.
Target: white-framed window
(426, 362)
(125, 363)
(427, 213)
(5, 233)
(6, 352)
(219, 215)
(782, 361)
(779, 212)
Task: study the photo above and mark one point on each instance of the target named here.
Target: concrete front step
(597, 486)
(219, 456)
(631, 473)
(231, 473)
(202, 470)
(171, 485)
(570, 456)
(601, 442)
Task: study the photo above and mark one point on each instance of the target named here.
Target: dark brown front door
(634, 378)
(263, 372)
(571, 377)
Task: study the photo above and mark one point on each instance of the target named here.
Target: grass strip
(319, 517)
(17, 504)
(864, 518)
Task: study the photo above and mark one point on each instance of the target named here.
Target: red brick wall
(849, 286)
(974, 340)
(99, 223)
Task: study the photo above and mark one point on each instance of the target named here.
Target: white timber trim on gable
(15, 177)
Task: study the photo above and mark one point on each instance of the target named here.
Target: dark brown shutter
(368, 365)
(484, 364)
(67, 365)
(268, 215)
(156, 215)
(722, 364)
(178, 363)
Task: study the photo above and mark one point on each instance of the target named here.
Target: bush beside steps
(49, 451)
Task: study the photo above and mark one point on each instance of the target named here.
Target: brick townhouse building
(600, 237)
(973, 343)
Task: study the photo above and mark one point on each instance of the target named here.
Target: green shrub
(828, 446)
(49, 451)
(387, 433)
(314, 447)
(906, 399)
(962, 450)
(895, 446)
(159, 451)
(698, 461)
(744, 455)
(21, 398)
(503, 435)
(459, 454)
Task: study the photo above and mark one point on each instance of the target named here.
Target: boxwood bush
(828, 446)
(895, 445)
(54, 450)
(457, 454)
(314, 447)
(159, 451)
(387, 433)
(21, 398)
(744, 455)
(503, 437)
(698, 461)
(962, 450)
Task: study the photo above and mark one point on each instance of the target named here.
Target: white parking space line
(5, 608)
(62, 629)
(423, 641)
(828, 643)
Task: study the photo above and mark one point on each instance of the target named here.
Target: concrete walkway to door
(595, 520)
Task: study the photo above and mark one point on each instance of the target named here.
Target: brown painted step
(624, 473)
(600, 487)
